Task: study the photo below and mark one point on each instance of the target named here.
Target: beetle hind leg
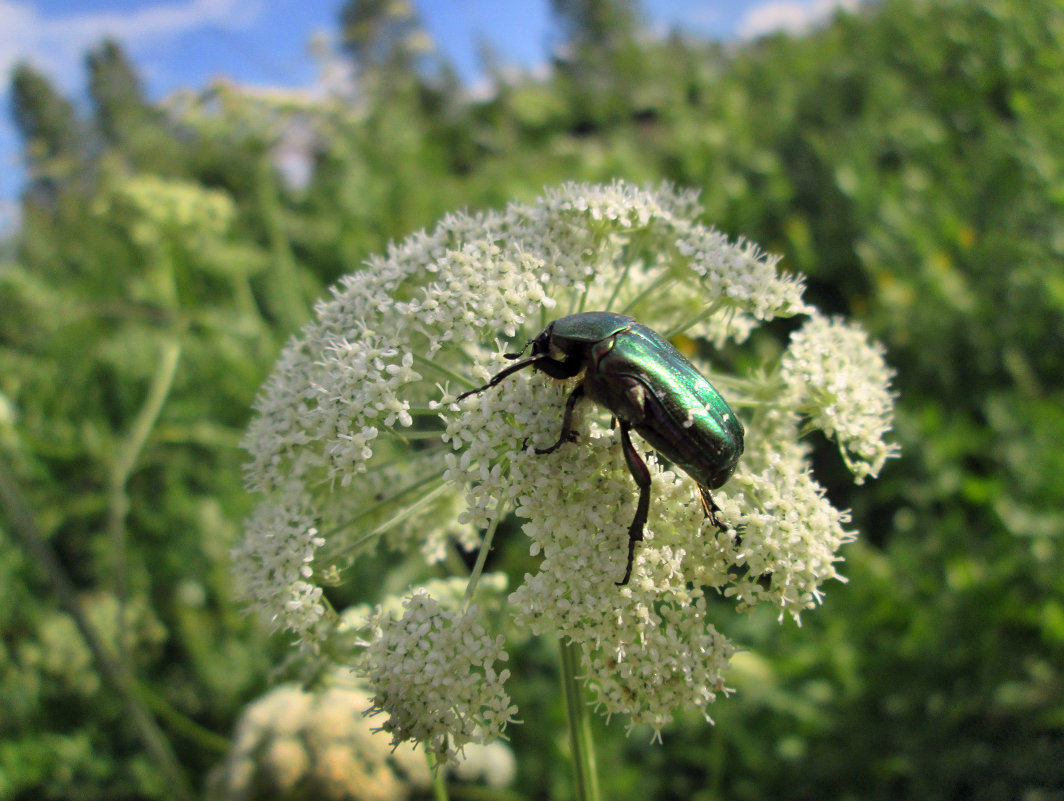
(641, 473)
(710, 508)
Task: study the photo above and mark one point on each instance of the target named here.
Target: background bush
(908, 157)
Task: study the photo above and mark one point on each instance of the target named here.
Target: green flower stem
(122, 469)
(705, 314)
(420, 484)
(620, 282)
(585, 776)
(123, 466)
(482, 557)
(439, 783)
(180, 724)
(659, 283)
(403, 514)
(444, 371)
(284, 293)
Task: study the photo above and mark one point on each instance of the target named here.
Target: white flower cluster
(296, 743)
(360, 413)
(433, 673)
(275, 563)
(841, 381)
(789, 533)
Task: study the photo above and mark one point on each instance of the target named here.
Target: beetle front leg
(567, 435)
(641, 473)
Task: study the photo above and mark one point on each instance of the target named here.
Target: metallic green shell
(683, 416)
(589, 326)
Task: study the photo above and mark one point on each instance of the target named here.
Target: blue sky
(186, 43)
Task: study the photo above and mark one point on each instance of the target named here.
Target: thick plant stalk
(585, 775)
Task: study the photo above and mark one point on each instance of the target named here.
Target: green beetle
(647, 385)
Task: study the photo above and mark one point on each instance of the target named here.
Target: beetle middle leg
(641, 473)
(567, 435)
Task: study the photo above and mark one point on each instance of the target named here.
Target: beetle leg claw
(710, 508)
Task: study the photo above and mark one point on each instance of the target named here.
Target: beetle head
(547, 354)
(540, 344)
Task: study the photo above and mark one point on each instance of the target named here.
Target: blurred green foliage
(909, 158)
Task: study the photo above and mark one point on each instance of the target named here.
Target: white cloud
(789, 17)
(57, 44)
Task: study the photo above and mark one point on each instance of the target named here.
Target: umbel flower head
(358, 440)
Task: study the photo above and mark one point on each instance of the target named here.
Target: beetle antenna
(519, 353)
(498, 377)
